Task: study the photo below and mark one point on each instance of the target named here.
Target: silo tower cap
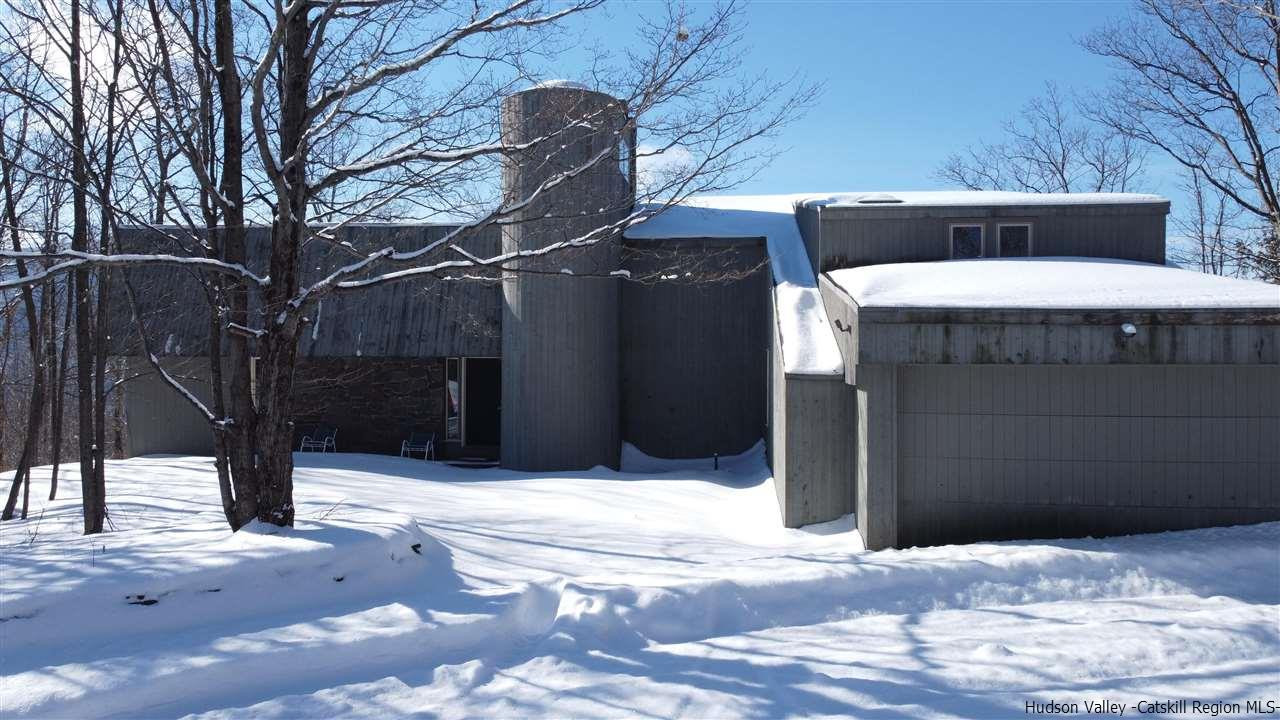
(559, 83)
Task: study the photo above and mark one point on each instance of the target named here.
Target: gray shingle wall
(425, 317)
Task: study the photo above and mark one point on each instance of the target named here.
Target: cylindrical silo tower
(560, 369)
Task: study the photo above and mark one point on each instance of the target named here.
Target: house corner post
(877, 459)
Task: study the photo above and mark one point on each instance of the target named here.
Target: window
(253, 380)
(453, 400)
(625, 156)
(966, 241)
(1015, 240)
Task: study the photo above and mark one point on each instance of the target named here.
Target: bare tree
(1209, 229)
(8, 309)
(1200, 81)
(1051, 146)
(68, 63)
(15, 123)
(310, 117)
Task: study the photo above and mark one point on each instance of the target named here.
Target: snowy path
(411, 588)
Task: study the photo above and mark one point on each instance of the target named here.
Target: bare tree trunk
(51, 366)
(279, 347)
(93, 503)
(117, 419)
(22, 476)
(6, 333)
(240, 438)
(60, 392)
(106, 231)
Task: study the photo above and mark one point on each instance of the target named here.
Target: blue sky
(907, 83)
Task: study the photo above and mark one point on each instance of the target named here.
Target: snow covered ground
(417, 589)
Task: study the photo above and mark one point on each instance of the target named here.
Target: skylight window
(879, 199)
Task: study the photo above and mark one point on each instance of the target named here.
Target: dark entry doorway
(482, 401)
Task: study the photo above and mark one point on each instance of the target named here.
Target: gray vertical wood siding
(809, 221)
(158, 419)
(992, 452)
(694, 352)
(877, 461)
(850, 237)
(811, 451)
(560, 342)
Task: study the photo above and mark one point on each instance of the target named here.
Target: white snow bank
(152, 581)
(1049, 283)
(808, 343)
(944, 664)
(1007, 619)
(945, 198)
(745, 463)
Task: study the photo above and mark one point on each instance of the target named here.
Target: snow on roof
(945, 198)
(808, 344)
(1066, 283)
(559, 83)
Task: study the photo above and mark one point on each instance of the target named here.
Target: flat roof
(977, 198)
(1049, 283)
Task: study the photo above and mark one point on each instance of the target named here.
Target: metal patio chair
(422, 442)
(321, 438)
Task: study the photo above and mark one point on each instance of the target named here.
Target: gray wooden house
(901, 354)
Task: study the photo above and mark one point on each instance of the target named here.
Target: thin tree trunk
(239, 442)
(117, 419)
(26, 489)
(6, 317)
(93, 504)
(22, 476)
(51, 361)
(40, 368)
(106, 230)
(60, 392)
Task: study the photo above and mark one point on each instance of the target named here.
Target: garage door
(992, 452)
